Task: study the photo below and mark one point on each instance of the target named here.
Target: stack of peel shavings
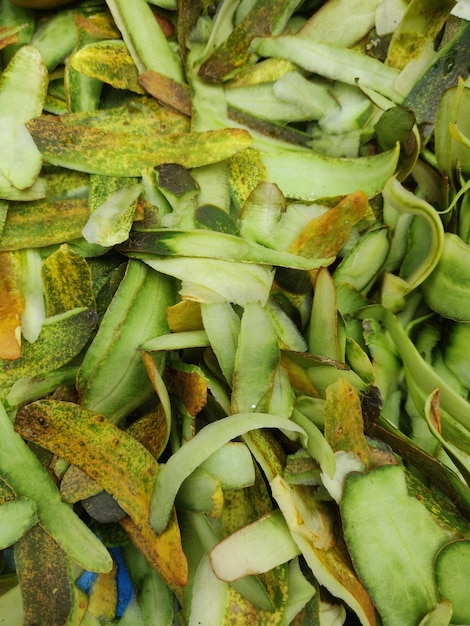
(234, 312)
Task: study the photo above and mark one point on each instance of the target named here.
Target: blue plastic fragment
(125, 590)
(86, 581)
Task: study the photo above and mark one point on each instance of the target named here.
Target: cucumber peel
(396, 562)
(452, 566)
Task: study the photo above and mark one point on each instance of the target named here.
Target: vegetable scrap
(234, 312)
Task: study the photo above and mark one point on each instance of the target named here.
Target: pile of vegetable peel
(234, 312)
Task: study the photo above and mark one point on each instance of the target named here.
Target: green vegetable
(56, 517)
(111, 379)
(263, 18)
(190, 456)
(61, 338)
(234, 312)
(407, 543)
(23, 87)
(333, 62)
(420, 25)
(234, 557)
(312, 533)
(445, 289)
(16, 517)
(456, 355)
(198, 530)
(361, 265)
(452, 563)
(55, 37)
(196, 243)
(449, 64)
(41, 562)
(325, 26)
(309, 176)
(123, 154)
(144, 38)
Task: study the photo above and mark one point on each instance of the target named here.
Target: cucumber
(254, 549)
(62, 337)
(232, 464)
(440, 615)
(23, 86)
(446, 289)
(198, 532)
(451, 63)
(207, 441)
(16, 517)
(395, 563)
(361, 266)
(209, 597)
(46, 578)
(56, 37)
(145, 38)
(23, 471)
(456, 353)
(452, 570)
(11, 605)
(112, 379)
(14, 16)
(253, 378)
